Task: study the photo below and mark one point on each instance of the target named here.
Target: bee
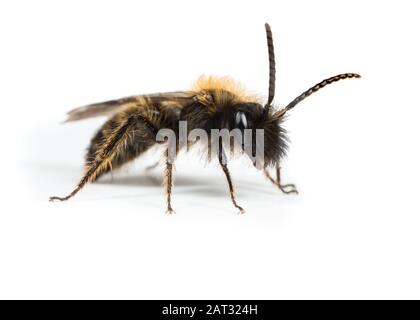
(213, 103)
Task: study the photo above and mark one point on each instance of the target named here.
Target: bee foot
(241, 210)
(289, 188)
(170, 211)
(55, 199)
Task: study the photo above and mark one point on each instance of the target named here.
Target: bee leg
(285, 188)
(109, 152)
(168, 183)
(222, 161)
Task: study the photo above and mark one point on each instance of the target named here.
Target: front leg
(285, 188)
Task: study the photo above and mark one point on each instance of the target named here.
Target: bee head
(264, 140)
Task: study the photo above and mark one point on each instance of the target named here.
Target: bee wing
(109, 108)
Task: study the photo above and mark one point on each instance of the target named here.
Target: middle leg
(168, 179)
(222, 161)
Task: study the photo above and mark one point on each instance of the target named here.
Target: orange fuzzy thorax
(224, 89)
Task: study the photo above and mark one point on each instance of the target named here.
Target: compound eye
(240, 120)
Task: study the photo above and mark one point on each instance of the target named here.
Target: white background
(352, 232)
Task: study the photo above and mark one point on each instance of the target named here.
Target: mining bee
(213, 103)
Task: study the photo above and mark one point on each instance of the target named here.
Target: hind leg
(121, 139)
(143, 134)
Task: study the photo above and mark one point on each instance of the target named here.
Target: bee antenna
(272, 66)
(318, 86)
